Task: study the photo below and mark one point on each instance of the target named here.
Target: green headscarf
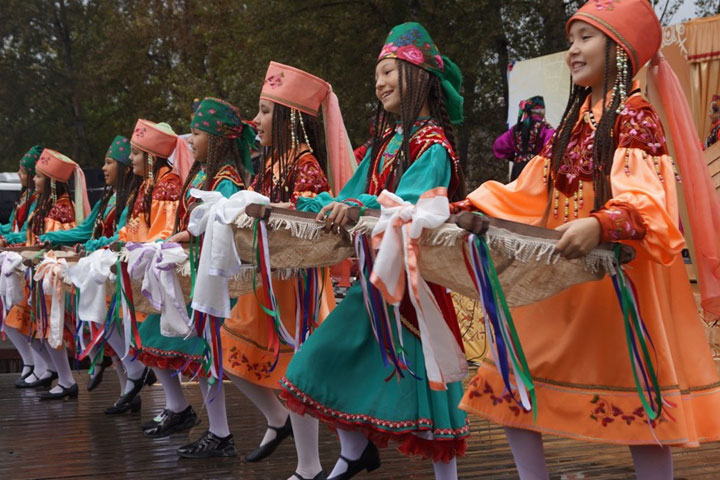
(30, 158)
(412, 43)
(218, 117)
(119, 150)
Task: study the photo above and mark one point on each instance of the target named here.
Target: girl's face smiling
(263, 120)
(586, 57)
(386, 85)
(40, 181)
(198, 143)
(110, 171)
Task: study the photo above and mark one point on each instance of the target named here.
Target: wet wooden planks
(74, 439)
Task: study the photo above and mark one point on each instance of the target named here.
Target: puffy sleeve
(523, 200)
(310, 179)
(504, 145)
(643, 210)
(79, 234)
(163, 209)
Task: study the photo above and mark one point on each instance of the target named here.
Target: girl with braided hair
(606, 176)
(219, 143)
(338, 375)
(100, 227)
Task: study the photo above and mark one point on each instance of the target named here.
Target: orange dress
(575, 341)
(164, 205)
(245, 338)
(61, 216)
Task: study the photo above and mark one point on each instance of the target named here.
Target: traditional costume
(338, 375)
(575, 342)
(714, 135)
(27, 201)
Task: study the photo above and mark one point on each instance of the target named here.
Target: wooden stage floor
(74, 439)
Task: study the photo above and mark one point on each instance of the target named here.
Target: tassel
(638, 339)
(500, 328)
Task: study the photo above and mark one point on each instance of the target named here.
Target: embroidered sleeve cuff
(620, 221)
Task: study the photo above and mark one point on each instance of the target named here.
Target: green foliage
(78, 72)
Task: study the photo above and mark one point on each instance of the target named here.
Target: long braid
(561, 137)
(147, 195)
(127, 186)
(99, 226)
(439, 111)
(44, 205)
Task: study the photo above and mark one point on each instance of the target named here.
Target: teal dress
(14, 238)
(82, 234)
(338, 374)
(176, 353)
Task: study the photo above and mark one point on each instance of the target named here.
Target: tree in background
(77, 72)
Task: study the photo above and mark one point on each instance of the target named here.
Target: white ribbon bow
(396, 235)
(90, 275)
(11, 281)
(51, 272)
(219, 260)
(156, 263)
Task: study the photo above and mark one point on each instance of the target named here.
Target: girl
(714, 114)
(338, 375)
(104, 220)
(220, 141)
(17, 324)
(217, 167)
(606, 176)
(151, 218)
(55, 211)
(290, 133)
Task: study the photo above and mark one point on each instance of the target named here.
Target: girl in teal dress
(100, 229)
(219, 143)
(338, 374)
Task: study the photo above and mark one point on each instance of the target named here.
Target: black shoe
(263, 451)
(134, 405)
(70, 392)
(174, 423)
(153, 422)
(43, 382)
(319, 476)
(369, 460)
(20, 382)
(127, 398)
(98, 377)
(150, 378)
(209, 445)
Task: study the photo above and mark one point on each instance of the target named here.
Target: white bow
(11, 281)
(219, 260)
(51, 272)
(396, 235)
(156, 263)
(90, 275)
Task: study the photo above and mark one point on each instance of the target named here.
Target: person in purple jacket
(526, 138)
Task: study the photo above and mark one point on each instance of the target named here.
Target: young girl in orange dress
(292, 137)
(56, 211)
(606, 176)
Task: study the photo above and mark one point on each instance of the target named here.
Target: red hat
(632, 24)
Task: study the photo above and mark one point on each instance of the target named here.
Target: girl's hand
(334, 215)
(180, 237)
(579, 237)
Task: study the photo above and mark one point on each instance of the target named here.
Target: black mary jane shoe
(320, 476)
(42, 382)
(209, 445)
(96, 379)
(133, 405)
(156, 420)
(173, 423)
(20, 382)
(369, 460)
(127, 398)
(70, 392)
(265, 450)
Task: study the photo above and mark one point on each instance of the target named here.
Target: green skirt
(338, 376)
(169, 353)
